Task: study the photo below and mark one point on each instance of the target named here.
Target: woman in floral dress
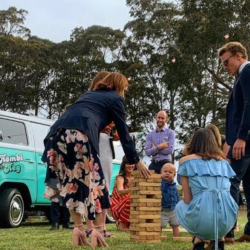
(71, 152)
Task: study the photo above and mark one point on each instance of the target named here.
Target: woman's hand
(143, 170)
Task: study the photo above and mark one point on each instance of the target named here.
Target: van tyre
(11, 208)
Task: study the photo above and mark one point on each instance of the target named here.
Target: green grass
(35, 235)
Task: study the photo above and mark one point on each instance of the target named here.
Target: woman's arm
(120, 186)
(186, 189)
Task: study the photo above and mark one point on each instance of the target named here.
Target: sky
(55, 19)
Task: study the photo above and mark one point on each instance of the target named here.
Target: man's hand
(153, 145)
(239, 149)
(143, 170)
(163, 145)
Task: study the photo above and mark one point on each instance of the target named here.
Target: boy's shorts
(168, 216)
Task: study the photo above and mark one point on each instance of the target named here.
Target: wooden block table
(145, 208)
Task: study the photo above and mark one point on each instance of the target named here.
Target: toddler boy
(170, 198)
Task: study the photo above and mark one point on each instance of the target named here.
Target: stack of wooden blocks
(145, 208)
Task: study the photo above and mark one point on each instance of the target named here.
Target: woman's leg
(90, 226)
(79, 236)
(97, 238)
(105, 232)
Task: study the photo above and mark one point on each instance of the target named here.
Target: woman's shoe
(88, 233)
(97, 239)
(106, 234)
(199, 245)
(79, 237)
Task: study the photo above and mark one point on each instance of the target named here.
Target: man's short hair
(233, 47)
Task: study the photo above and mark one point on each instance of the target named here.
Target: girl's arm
(120, 188)
(186, 189)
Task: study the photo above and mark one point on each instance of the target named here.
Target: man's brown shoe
(244, 237)
(229, 240)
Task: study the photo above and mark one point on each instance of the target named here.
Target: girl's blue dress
(212, 212)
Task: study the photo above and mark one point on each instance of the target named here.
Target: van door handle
(42, 163)
(29, 161)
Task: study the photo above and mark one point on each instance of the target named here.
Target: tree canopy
(168, 51)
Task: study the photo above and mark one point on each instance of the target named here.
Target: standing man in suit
(160, 143)
(234, 57)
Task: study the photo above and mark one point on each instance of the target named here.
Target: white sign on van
(8, 159)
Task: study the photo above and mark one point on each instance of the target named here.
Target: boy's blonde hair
(169, 164)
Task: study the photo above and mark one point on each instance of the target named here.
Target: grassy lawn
(35, 235)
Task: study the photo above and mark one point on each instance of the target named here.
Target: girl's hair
(114, 81)
(204, 144)
(100, 76)
(215, 130)
(122, 171)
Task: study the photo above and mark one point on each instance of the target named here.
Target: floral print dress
(74, 173)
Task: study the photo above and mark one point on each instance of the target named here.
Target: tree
(11, 23)
(153, 29)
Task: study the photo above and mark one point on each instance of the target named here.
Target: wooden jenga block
(134, 228)
(149, 184)
(181, 230)
(154, 216)
(149, 225)
(149, 200)
(148, 192)
(145, 208)
(137, 196)
(149, 233)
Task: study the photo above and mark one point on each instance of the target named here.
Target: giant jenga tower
(145, 208)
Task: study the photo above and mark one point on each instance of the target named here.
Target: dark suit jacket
(90, 114)
(238, 110)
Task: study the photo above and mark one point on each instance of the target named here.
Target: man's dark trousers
(55, 213)
(157, 165)
(242, 169)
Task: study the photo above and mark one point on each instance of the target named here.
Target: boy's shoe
(55, 226)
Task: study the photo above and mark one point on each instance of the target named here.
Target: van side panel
(39, 132)
(18, 165)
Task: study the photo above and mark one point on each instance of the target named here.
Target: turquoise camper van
(22, 172)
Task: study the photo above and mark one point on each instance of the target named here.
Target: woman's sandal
(199, 245)
(106, 234)
(79, 237)
(88, 233)
(97, 239)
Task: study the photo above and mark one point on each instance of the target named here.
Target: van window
(39, 131)
(14, 132)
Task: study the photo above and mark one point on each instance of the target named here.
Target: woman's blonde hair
(114, 81)
(100, 76)
(216, 133)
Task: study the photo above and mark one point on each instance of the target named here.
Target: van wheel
(109, 217)
(11, 208)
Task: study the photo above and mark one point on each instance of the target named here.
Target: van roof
(34, 119)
